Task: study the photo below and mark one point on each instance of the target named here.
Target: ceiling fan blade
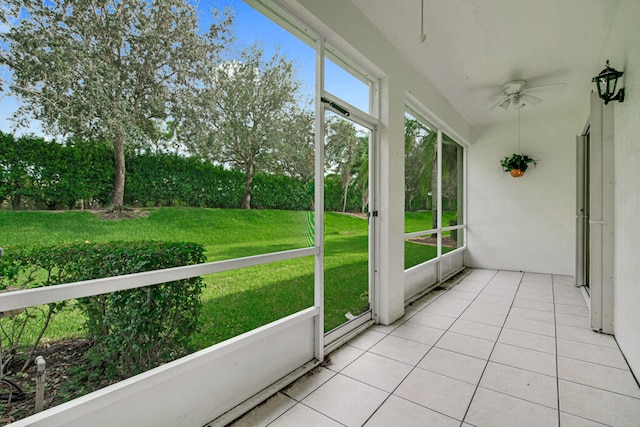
(544, 87)
(530, 99)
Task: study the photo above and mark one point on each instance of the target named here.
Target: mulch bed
(60, 357)
(125, 213)
(447, 241)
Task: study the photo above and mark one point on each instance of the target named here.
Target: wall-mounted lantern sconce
(606, 82)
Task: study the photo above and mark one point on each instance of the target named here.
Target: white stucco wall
(623, 50)
(527, 223)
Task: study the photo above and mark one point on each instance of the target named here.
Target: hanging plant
(517, 164)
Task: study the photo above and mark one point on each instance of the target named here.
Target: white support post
(319, 202)
(41, 383)
(601, 215)
(439, 202)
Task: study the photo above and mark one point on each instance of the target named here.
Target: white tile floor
(496, 349)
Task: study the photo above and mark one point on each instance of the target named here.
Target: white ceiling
(473, 47)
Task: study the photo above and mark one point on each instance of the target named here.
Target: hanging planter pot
(516, 164)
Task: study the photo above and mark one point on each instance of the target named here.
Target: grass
(415, 253)
(225, 233)
(422, 220)
(234, 301)
(240, 300)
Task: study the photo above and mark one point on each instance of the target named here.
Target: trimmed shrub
(39, 174)
(137, 329)
(20, 269)
(132, 330)
(279, 192)
(164, 179)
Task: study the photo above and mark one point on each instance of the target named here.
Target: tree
(451, 166)
(247, 109)
(342, 151)
(362, 171)
(108, 70)
(413, 132)
(294, 150)
(421, 171)
(421, 167)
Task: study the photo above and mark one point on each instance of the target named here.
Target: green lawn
(422, 220)
(415, 253)
(234, 301)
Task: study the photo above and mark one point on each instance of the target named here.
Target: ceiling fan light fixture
(505, 104)
(516, 95)
(517, 103)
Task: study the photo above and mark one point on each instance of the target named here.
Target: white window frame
(413, 110)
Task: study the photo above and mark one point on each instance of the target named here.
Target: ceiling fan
(516, 96)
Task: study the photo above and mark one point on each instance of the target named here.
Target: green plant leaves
(132, 330)
(516, 161)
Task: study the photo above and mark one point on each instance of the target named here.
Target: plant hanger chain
(422, 36)
(519, 150)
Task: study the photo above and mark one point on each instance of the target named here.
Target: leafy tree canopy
(109, 70)
(248, 113)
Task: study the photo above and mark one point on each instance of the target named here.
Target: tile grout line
(601, 389)
(358, 357)
(581, 360)
(502, 327)
(407, 320)
(519, 398)
(299, 402)
(555, 339)
(432, 346)
(492, 349)
(591, 343)
(412, 368)
(633, 375)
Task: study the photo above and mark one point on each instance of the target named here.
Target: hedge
(131, 330)
(39, 174)
(44, 174)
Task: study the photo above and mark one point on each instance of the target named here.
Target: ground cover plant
(131, 330)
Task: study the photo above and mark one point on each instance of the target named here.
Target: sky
(249, 27)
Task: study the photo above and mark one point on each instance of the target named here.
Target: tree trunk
(346, 175)
(117, 198)
(246, 202)
(346, 193)
(365, 200)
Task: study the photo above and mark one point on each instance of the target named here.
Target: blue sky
(249, 27)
